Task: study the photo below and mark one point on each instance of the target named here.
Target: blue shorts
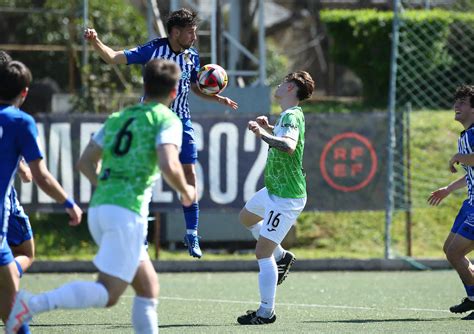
(188, 154)
(464, 222)
(6, 255)
(19, 228)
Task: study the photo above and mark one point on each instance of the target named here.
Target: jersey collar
(186, 51)
(464, 131)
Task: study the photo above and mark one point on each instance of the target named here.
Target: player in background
(129, 147)
(283, 198)
(18, 138)
(20, 235)
(460, 240)
(181, 26)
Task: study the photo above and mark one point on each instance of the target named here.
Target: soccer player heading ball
(177, 47)
(271, 212)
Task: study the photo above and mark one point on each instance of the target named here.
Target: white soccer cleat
(20, 312)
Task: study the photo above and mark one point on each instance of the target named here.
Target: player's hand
(438, 195)
(454, 161)
(188, 197)
(263, 122)
(24, 172)
(90, 34)
(228, 102)
(255, 128)
(75, 213)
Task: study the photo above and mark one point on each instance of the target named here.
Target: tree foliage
(52, 22)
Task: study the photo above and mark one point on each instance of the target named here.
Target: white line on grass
(302, 305)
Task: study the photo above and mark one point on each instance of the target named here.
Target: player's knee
(454, 256)
(445, 249)
(262, 253)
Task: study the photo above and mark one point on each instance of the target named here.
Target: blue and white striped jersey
(18, 135)
(188, 62)
(466, 146)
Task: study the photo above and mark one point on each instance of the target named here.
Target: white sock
(74, 295)
(267, 282)
(255, 229)
(278, 253)
(144, 316)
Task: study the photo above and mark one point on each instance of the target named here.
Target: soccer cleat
(192, 242)
(20, 312)
(284, 266)
(466, 305)
(251, 318)
(469, 317)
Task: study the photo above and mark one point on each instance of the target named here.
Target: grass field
(307, 302)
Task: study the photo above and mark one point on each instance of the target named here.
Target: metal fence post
(389, 206)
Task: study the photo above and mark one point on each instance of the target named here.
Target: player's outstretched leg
(465, 305)
(284, 266)
(251, 318)
(20, 313)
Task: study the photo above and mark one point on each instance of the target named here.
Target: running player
(130, 146)
(20, 235)
(18, 139)
(460, 240)
(181, 26)
(283, 198)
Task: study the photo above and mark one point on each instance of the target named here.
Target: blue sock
(191, 216)
(20, 270)
(24, 329)
(470, 291)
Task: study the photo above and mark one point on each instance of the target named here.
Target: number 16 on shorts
(273, 221)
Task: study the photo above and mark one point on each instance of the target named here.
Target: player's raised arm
(109, 55)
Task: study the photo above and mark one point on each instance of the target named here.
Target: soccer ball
(212, 79)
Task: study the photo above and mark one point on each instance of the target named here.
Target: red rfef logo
(348, 162)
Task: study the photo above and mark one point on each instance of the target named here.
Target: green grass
(318, 302)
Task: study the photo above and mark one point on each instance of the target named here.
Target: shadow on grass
(367, 321)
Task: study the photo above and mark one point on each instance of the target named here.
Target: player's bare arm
(465, 159)
(438, 195)
(284, 144)
(24, 172)
(172, 171)
(215, 98)
(109, 55)
(53, 189)
(89, 162)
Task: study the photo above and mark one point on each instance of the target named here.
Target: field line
(225, 301)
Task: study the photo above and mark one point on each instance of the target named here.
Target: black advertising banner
(344, 161)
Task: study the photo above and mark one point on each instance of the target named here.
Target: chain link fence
(435, 55)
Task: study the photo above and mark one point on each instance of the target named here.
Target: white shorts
(279, 214)
(121, 235)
